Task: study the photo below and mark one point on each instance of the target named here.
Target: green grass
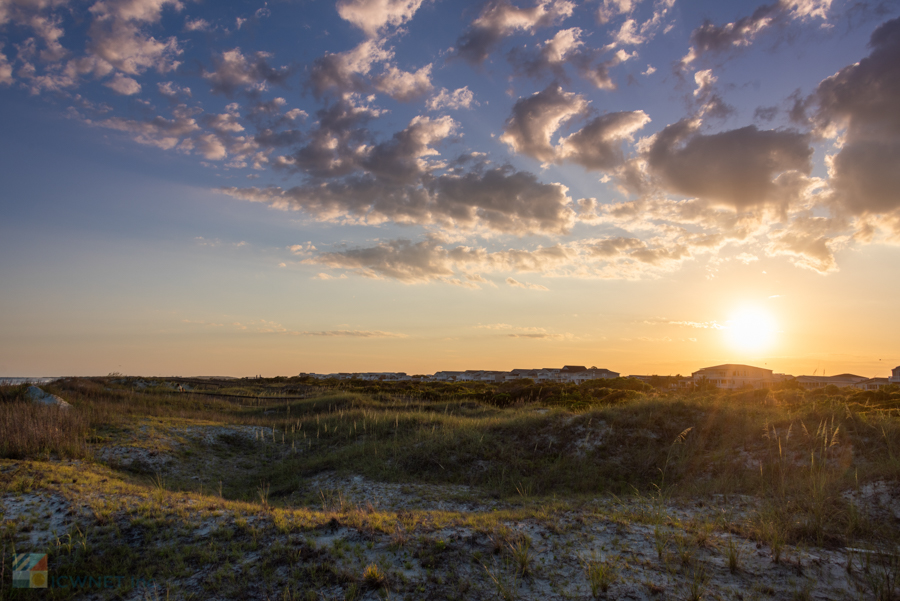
(798, 453)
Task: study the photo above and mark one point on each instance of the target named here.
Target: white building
(446, 376)
(895, 375)
(734, 375)
(841, 380)
(872, 384)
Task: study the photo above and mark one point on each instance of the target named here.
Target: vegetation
(800, 461)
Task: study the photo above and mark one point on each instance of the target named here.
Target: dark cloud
(765, 113)
(232, 71)
(352, 72)
(341, 145)
(566, 48)
(500, 18)
(598, 145)
(505, 200)
(535, 119)
(710, 38)
(740, 168)
(500, 199)
(862, 101)
(345, 72)
(549, 58)
(335, 142)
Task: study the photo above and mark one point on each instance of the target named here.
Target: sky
(270, 188)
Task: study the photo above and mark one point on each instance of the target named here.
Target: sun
(751, 330)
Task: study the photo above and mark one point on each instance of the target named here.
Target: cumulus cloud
(184, 133)
(197, 25)
(232, 71)
(598, 145)
(374, 15)
(499, 199)
(116, 35)
(461, 98)
(403, 85)
(534, 122)
(337, 144)
(500, 18)
(610, 9)
(858, 106)
(549, 57)
(739, 168)
(345, 71)
(172, 90)
(121, 84)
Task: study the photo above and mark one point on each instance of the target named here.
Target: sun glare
(751, 330)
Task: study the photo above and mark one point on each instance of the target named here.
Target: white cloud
(123, 85)
(374, 15)
(172, 90)
(610, 9)
(197, 25)
(405, 86)
(704, 80)
(6, 73)
(461, 98)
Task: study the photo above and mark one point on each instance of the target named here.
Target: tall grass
(28, 430)
(797, 450)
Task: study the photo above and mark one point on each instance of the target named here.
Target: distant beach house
(841, 381)
(735, 375)
(895, 375)
(446, 376)
(578, 374)
(872, 383)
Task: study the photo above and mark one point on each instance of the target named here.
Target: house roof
(733, 365)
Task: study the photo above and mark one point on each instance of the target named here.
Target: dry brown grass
(28, 430)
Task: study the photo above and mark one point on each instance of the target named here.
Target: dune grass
(803, 459)
(800, 451)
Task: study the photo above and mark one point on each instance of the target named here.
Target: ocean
(14, 381)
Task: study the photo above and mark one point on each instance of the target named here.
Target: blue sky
(243, 188)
